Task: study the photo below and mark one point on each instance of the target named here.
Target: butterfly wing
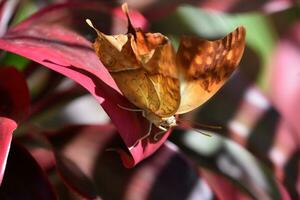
(162, 71)
(115, 52)
(154, 87)
(137, 88)
(206, 65)
(143, 66)
(153, 93)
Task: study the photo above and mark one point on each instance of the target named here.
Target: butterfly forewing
(143, 66)
(146, 42)
(206, 65)
(115, 52)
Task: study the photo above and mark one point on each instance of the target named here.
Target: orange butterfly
(161, 82)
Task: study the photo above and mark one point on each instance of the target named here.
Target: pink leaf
(283, 192)
(7, 9)
(14, 104)
(224, 189)
(88, 168)
(7, 126)
(47, 38)
(76, 150)
(24, 179)
(285, 80)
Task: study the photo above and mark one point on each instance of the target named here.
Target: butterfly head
(168, 122)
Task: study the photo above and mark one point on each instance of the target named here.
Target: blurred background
(254, 156)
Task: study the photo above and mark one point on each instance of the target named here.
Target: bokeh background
(254, 156)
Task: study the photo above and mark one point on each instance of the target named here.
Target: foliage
(53, 147)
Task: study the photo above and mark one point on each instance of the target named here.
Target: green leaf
(228, 159)
(14, 60)
(25, 10)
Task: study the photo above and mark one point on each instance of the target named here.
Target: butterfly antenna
(203, 133)
(142, 138)
(157, 135)
(196, 126)
(190, 124)
(126, 11)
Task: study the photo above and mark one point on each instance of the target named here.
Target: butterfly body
(162, 82)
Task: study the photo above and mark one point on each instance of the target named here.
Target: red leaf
(77, 149)
(7, 126)
(86, 167)
(24, 179)
(46, 38)
(14, 104)
(226, 190)
(222, 187)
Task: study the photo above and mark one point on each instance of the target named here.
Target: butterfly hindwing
(206, 65)
(137, 88)
(167, 89)
(159, 65)
(163, 73)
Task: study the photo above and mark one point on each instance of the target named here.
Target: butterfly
(162, 82)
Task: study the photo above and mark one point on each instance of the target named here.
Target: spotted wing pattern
(206, 65)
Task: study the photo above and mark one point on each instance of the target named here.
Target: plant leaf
(24, 179)
(48, 37)
(95, 171)
(76, 149)
(14, 104)
(285, 80)
(230, 160)
(7, 126)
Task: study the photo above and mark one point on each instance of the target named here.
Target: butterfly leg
(130, 109)
(142, 138)
(163, 130)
